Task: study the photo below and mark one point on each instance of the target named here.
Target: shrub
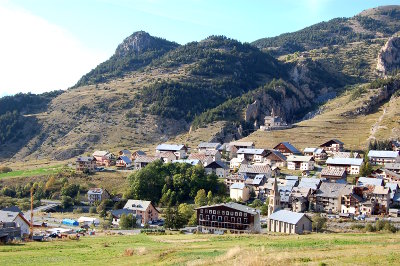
(5, 169)
(318, 222)
(370, 228)
(357, 226)
(92, 209)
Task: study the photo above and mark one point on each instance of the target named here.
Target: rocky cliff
(389, 57)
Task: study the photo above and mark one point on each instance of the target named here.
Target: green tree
(66, 202)
(256, 203)
(173, 218)
(209, 198)
(318, 222)
(127, 221)
(200, 199)
(186, 211)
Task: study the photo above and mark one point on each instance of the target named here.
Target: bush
(318, 222)
(78, 210)
(370, 228)
(5, 169)
(357, 226)
(127, 221)
(92, 209)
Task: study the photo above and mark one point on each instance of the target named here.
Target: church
(284, 221)
(274, 122)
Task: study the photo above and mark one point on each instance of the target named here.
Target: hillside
(370, 24)
(153, 90)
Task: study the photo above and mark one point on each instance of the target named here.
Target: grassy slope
(354, 132)
(332, 249)
(32, 172)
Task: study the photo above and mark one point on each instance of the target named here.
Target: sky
(49, 44)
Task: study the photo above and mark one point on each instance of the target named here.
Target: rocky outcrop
(252, 111)
(389, 57)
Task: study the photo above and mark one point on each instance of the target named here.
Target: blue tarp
(70, 222)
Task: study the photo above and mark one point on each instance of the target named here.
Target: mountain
(152, 90)
(380, 22)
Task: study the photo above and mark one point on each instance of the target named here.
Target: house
(395, 145)
(137, 154)
(233, 217)
(288, 222)
(116, 214)
(352, 203)
(367, 181)
(251, 155)
(299, 198)
(394, 189)
(217, 167)
(333, 146)
(234, 146)
(333, 174)
(311, 183)
(345, 154)
(381, 197)
(17, 218)
(297, 162)
(287, 149)
(167, 156)
(9, 231)
(203, 158)
(255, 169)
(97, 195)
(104, 158)
(143, 208)
(143, 160)
(328, 197)
(351, 165)
(208, 146)
(275, 158)
(284, 193)
(126, 153)
(239, 192)
(84, 163)
(274, 122)
(394, 167)
(392, 177)
(123, 162)
(235, 163)
(179, 150)
(215, 155)
(234, 178)
(383, 157)
(318, 153)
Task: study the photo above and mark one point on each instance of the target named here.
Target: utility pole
(31, 225)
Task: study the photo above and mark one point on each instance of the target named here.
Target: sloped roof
(330, 141)
(289, 146)
(383, 154)
(238, 186)
(125, 152)
(126, 159)
(167, 154)
(210, 152)
(333, 190)
(310, 182)
(217, 164)
(95, 191)
(392, 186)
(145, 159)
(258, 179)
(287, 216)
(251, 151)
(292, 177)
(170, 147)
(100, 153)
(188, 161)
(242, 143)
(12, 209)
(209, 145)
(140, 152)
(141, 205)
(319, 151)
(85, 159)
(309, 150)
(233, 205)
(345, 154)
(298, 158)
(254, 169)
(8, 216)
(332, 172)
(277, 154)
(365, 181)
(345, 161)
(392, 166)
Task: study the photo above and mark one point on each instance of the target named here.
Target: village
(277, 190)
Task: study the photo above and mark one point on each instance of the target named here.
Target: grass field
(48, 170)
(314, 249)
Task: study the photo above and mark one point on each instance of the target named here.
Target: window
(215, 212)
(245, 220)
(206, 211)
(240, 214)
(201, 210)
(231, 213)
(213, 217)
(201, 216)
(218, 212)
(245, 214)
(219, 218)
(223, 212)
(208, 217)
(239, 220)
(236, 214)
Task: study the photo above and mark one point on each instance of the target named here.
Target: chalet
(213, 154)
(84, 163)
(351, 165)
(292, 180)
(328, 197)
(235, 163)
(383, 157)
(116, 214)
(137, 154)
(208, 146)
(367, 181)
(126, 153)
(351, 203)
(167, 156)
(255, 169)
(123, 162)
(333, 174)
(288, 222)
(318, 153)
(143, 161)
(251, 155)
(179, 150)
(204, 159)
(296, 162)
(234, 178)
(143, 208)
(217, 167)
(239, 192)
(234, 146)
(394, 167)
(287, 149)
(332, 146)
(309, 151)
(345, 154)
(381, 197)
(275, 158)
(96, 195)
(394, 189)
(17, 218)
(230, 216)
(104, 158)
(390, 176)
(284, 193)
(257, 184)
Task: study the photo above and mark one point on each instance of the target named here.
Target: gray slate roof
(333, 190)
(287, 216)
(345, 161)
(383, 154)
(250, 151)
(365, 181)
(170, 147)
(8, 216)
(209, 145)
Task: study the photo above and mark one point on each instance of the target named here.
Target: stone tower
(274, 199)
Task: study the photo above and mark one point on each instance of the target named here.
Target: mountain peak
(140, 42)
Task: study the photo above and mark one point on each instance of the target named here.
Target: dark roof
(233, 205)
(331, 141)
(118, 213)
(277, 154)
(217, 164)
(12, 209)
(289, 146)
(86, 159)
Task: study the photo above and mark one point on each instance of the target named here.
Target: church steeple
(272, 113)
(274, 199)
